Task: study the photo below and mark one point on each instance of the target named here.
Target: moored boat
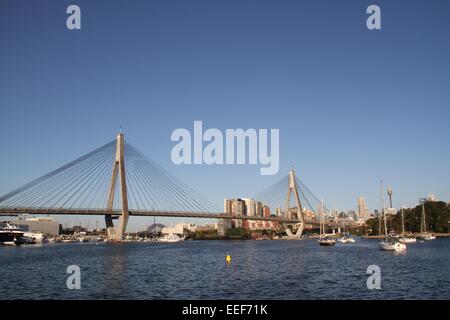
(404, 238)
(390, 242)
(324, 240)
(392, 245)
(9, 234)
(427, 236)
(424, 234)
(347, 238)
(170, 238)
(25, 240)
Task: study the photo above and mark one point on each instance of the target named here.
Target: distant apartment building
(363, 212)
(247, 207)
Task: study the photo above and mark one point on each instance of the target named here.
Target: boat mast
(322, 222)
(380, 214)
(423, 226)
(403, 223)
(383, 210)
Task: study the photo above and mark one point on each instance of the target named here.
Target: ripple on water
(197, 270)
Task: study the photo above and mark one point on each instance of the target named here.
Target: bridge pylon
(292, 188)
(118, 170)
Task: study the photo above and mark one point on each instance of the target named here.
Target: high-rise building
(251, 208)
(363, 212)
(235, 207)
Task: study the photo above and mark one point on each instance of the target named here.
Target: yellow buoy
(228, 259)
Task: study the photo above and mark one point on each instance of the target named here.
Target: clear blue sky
(352, 105)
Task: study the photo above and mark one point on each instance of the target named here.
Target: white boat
(392, 245)
(427, 236)
(39, 236)
(404, 238)
(389, 243)
(9, 234)
(324, 240)
(83, 239)
(424, 235)
(170, 238)
(346, 239)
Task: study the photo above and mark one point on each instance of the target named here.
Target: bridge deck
(143, 213)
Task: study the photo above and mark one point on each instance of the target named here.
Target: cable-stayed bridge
(118, 181)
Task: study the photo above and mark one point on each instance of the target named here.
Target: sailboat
(324, 240)
(404, 238)
(389, 243)
(347, 238)
(424, 235)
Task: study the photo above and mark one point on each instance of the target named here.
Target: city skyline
(353, 106)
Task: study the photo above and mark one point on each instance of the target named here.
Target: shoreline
(441, 235)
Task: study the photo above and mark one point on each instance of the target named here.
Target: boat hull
(8, 237)
(427, 237)
(407, 240)
(25, 240)
(396, 246)
(327, 243)
(348, 240)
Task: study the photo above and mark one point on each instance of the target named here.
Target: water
(197, 270)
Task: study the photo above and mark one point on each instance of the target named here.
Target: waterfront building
(46, 225)
(179, 228)
(238, 209)
(235, 208)
(207, 227)
(250, 208)
(363, 212)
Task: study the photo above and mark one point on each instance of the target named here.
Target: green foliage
(204, 235)
(437, 217)
(238, 233)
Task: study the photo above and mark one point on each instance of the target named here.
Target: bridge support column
(292, 188)
(118, 169)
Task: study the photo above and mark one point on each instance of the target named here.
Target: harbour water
(197, 270)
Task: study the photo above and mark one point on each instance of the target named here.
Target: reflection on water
(198, 270)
